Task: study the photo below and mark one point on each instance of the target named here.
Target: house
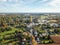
(56, 39)
(54, 24)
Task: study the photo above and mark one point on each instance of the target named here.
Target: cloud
(9, 0)
(12, 0)
(3, 0)
(25, 1)
(30, 6)
(55, 3)
(26, 9)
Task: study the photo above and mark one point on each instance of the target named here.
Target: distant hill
(30, 14)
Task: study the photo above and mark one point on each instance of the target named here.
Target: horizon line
(29, 12)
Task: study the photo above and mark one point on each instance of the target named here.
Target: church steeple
(30, 18)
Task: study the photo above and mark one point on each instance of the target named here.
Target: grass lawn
(7, 32)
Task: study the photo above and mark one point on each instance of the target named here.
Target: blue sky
(29, 6)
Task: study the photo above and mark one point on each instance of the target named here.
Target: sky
(30, 6)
